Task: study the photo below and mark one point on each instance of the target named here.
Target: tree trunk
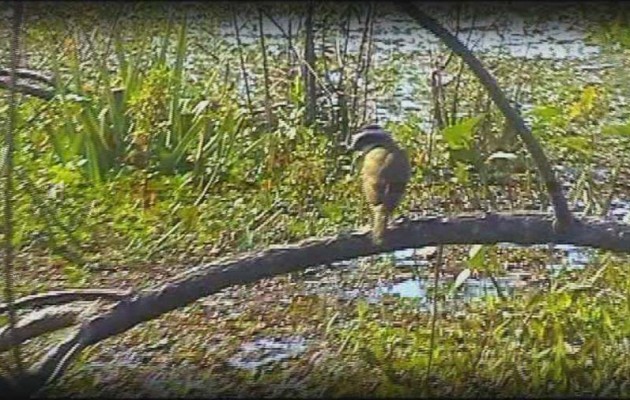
(309, 57)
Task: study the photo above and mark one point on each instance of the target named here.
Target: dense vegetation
(168, 144)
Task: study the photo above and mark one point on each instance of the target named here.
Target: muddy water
(267, 350)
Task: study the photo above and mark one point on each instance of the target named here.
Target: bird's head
(368, 137)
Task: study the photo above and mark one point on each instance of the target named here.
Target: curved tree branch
(24, 73)
(66, 296)
(561, 209)
(28, 88)
(201, 281)
(41, 322)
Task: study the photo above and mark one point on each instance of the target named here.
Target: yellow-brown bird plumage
(384, 174)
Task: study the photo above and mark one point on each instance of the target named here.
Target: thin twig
(310, 93)
(18, 9)
(297, 54)
(66, 296)
(263, 50)
(434, 316)
(239, 46)
(368, 61)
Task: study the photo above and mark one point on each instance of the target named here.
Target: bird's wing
(395, 174)
(385, 174)
(374, 184)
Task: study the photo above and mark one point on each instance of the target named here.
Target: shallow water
(567, 257)
(267, 350)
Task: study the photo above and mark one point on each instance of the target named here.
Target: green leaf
(546, 113)
(459, 136)
(330, 323)
(74, 275)
(618, 130)
(578, 143)
(200, 108)
(189, 216)
(476, 256)
(461, 173)
(3, 158)
(461, 279)
(563, 301)
(92, 166)
(541, 354)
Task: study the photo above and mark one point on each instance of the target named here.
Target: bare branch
(297, 53)
(40, 322)
(561, 209)
(28, 89)
(23, 73)
(66, 296)
(201, 281)
(54, 363)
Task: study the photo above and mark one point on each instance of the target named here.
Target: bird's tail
(379, 223)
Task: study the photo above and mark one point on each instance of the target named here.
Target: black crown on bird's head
(368, 137)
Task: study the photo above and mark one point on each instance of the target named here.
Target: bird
(384, 174)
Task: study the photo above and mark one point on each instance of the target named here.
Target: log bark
(28, 88)
(41, 322)
(66, 296)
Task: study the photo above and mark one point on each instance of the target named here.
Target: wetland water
(552, 32)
